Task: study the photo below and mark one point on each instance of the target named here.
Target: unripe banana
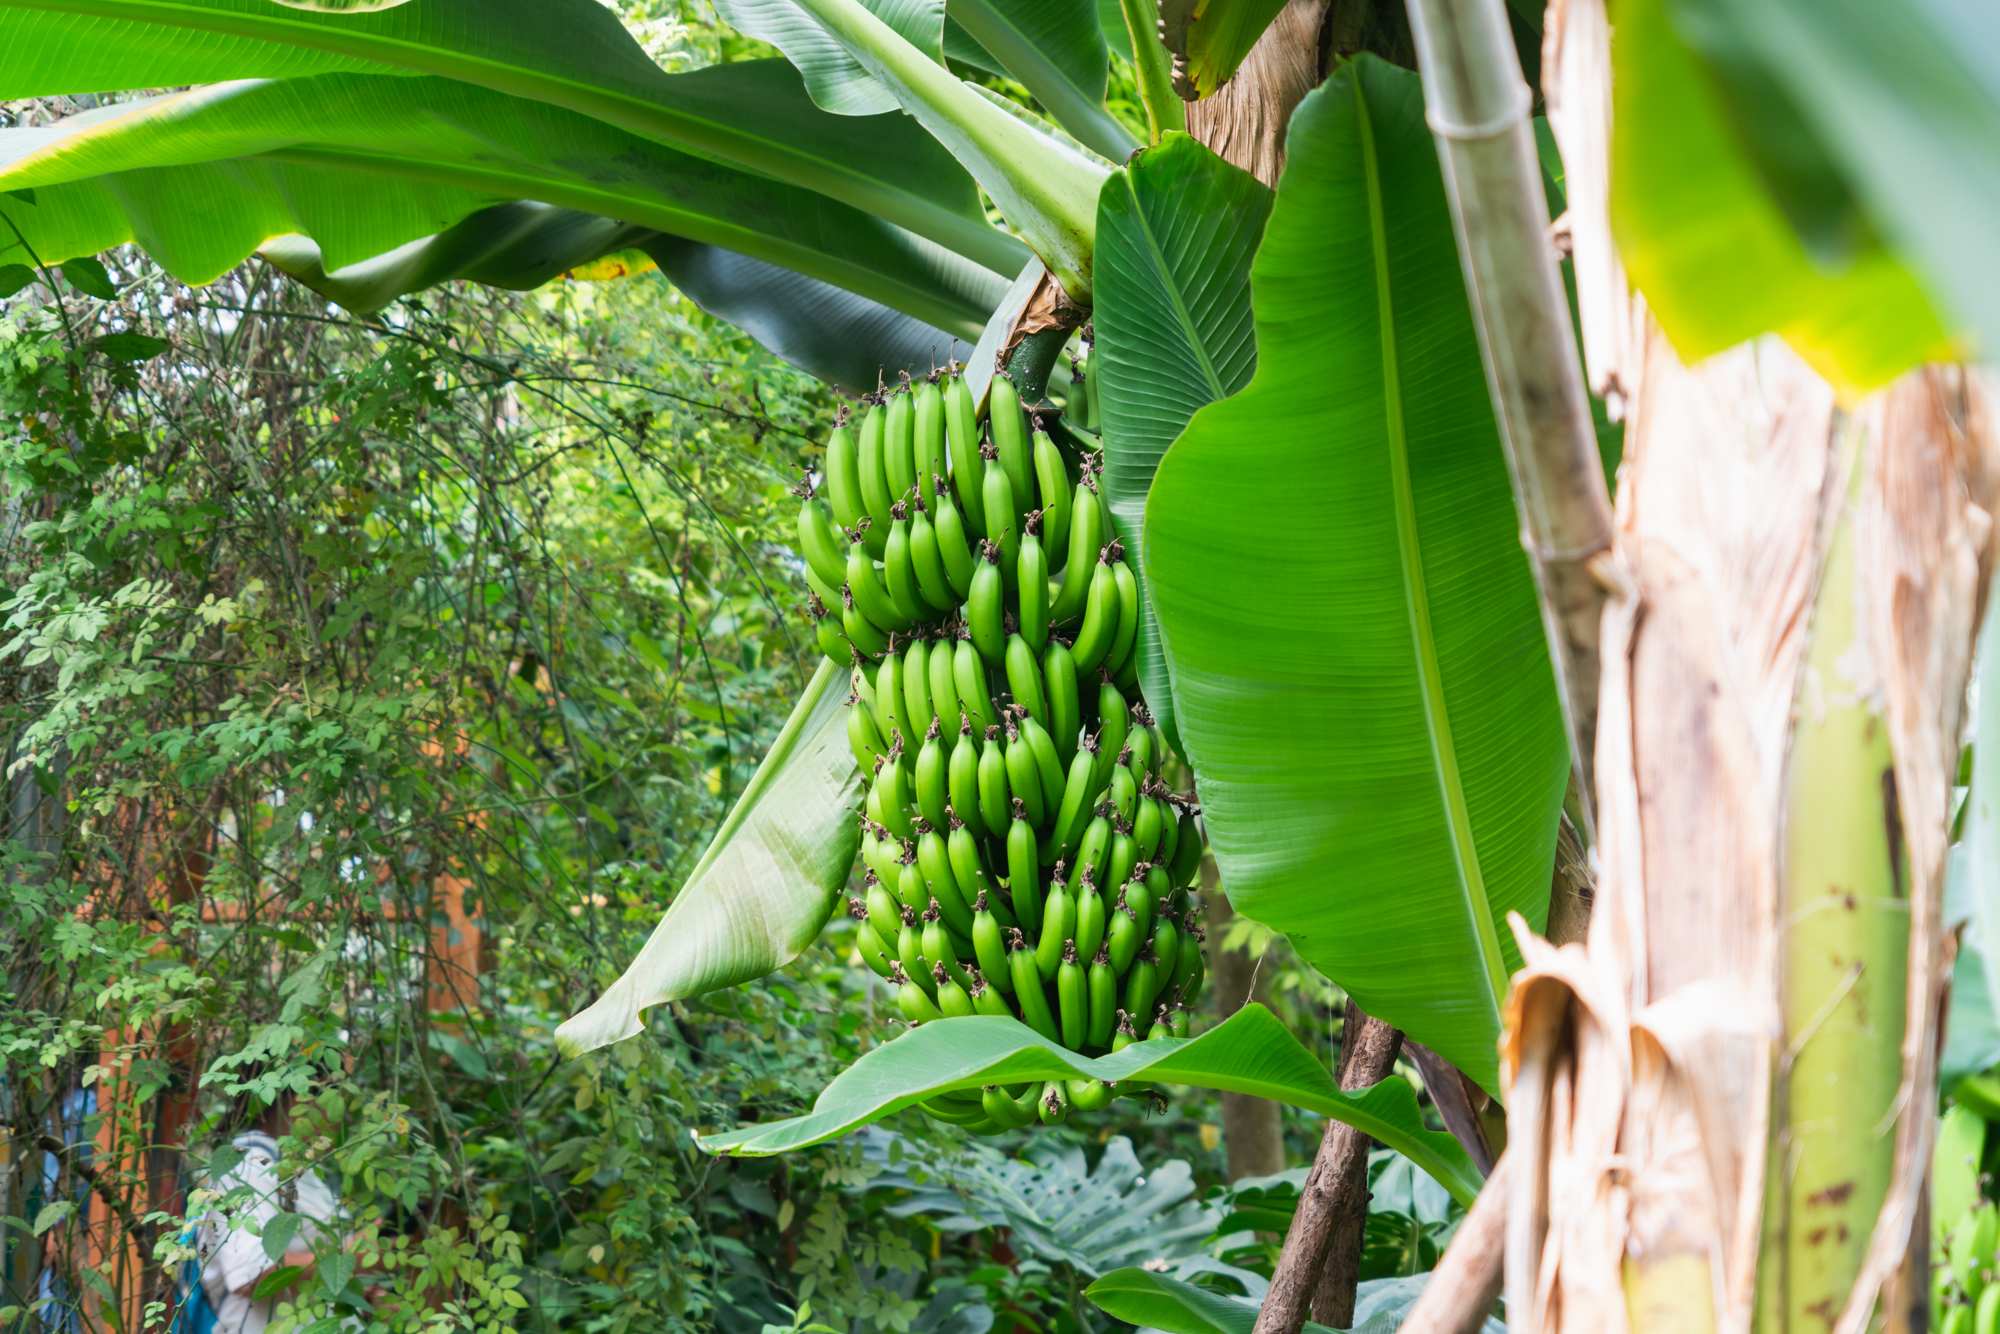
(1086, 536)
(1124, 792)
(952, 1000)
(899, 572)
(1010, 441)
(1124, 854)
(1126, 678)
(912, 675)
(961, 424)
(892, 700)
(1004, 1111)
(1124, 1037)
(969, 872)
(964, 781)
(1170, 829)
(1113, 722)
(1028, 989)
(1024, 871)
(1187, 960)
(1159, 885)
(932, 792)
(1161, 1028)
(989, 946)
(940, 951)
(1024, 779)
(1075, 811)
(899, 460)
(1166, 945)
(1187, 849)
(1143, 982)
(968, 673)
(1065, 720)
(995, 800)
(1089, 1095)
(875, 493)
(925, 557)
(830, 634)
(1122, 935)
(1054, 1106)
(911, 891)
(897, 796)
(945, 704)
(1003, 518)
(1180, 1021)
(1072, 1000)
(866, 637)
(954, 544)
(927, 420)
(1024, 679)
(1090, 916)
(1058, 925)
(866, 943)
(843, 474)
(1126, 642)
(986, 998)
(1142, 741)
(1100, 619)
(984, 607)
(1056, 495)
(1103, 984)
(822, 547)
(864, 581)
(934, 864)
(885, 914)
(910, 952)
(863, 739)
(1094, 848)
(1047, 767)
(913, 1000)
(1033, 584)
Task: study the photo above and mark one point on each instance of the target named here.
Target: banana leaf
(1175, 235)
(569, 53)
(1249, 1052)
(1056, 49)
(1358, 665)
(759, 896)
(204, 177)
(1155, 1301)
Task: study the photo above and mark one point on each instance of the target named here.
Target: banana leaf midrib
(1437, 718)
(1162, 269)
(910, 299)
(1072, 107)
(975, 240)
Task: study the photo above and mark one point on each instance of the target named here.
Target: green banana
(932, 792)
(953, 1002)
(1161, 1028)
(913, 677)
(819, 543)
(1126, 641)
(954, 545)
(1024, 871)
(1157, 888)
(961, 425)
(1032, 583)
(927, 422)
(910, 952)
(892, 699)
(963, 780)
(913, 1000)
(986, 998)
(899, 459)
(1086, 538)
(1024, 779)
(899, 571)
(1059, 676)
(862, 738)
(1075, 810)
(968, 673)
(1144, 751)
(1050, 769)
(866, 943)
(1113, 723)
(1100, 618)
(1055, 488)
(1089, 1095)
(864, 581)
(911, 891)
(866, 637)
(875, 493)
(843, 473)
(988, 946)
(934, 864)
(1103, 985)
(1024, 679)
(827, 630)
(1166, 946)
(1124, 854)
(1058, 925)
(945, 703)
(1072, 1000)
(897, 796)
(1010, 441)
(1124, 792)
(925, 557)
(1090, 915)
(1124, 1037)
(1122, 935)
(984, 607)
(968, 872)
(1187, 848)
(1187, 962)
(1054, 1106)
(995, 801)
(1170, 828)
(1003, 517)
(1094, 848)
(1004, 1111)
(1028, 989)
(939, 949)
(1093, 413)
(885, 914)
(1142, 983)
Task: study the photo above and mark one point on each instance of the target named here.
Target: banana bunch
(1023, 855)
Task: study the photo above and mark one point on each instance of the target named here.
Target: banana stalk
(1047, 191)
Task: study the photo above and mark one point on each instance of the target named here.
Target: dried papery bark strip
(1466, 1282)
(1337, 1182)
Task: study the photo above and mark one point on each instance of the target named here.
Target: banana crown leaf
(767, 884)
(201, 178)
(1176, 232)
(1053, 1203)
(1250, 1052)
(568, 53)
(1704, 238)
(1359, 671)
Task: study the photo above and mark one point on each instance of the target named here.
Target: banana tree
(1327, 417)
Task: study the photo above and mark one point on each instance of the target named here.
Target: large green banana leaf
(1249, 1052)
(1175, 235)
(569, 53)
(202, 178)
(1706, 241)
(835, 80)
(759, 896)
(1357, 655)
(1056, 49)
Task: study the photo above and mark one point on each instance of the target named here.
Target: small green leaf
(53, 1213)
(1250, 1052)
(276, 1282)
(131, 346)
(334, 1272)
(278, 1234)
(87, 275)
(13, 277)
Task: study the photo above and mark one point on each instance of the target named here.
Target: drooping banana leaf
(202, 178)
(759, 896)
(1214, 42)
(1175, 235)
(1357, 657)
(1249, 1052)
(1056, 49)
(1706, 241)
(569, 53)
(834, 79)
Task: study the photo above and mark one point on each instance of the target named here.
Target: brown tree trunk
(1252, 1131)
(1244, 121)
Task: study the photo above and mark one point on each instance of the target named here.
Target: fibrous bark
(1244, 120)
